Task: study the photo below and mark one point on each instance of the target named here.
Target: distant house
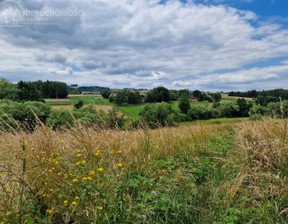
(114, 94)
(74, 86)
(193, 99)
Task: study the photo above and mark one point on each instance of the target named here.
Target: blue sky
(197, 44)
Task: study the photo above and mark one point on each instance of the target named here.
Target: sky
(211, 45)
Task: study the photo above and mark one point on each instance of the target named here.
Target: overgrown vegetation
(193, 174)
(26, 115)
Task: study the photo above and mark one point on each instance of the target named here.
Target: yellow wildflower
(51, 190)
(62, 141)
(77, 163)
(79, 155)
(31, 149)
(112, 152)
(75, 180)
(84, 178)
(89, 178)
(8, 190)
(100, 169)
(78, 150)
(8, 213)
(74, 203)
(49, 211)
(65, 202)
(1, 174)
(83, 161)
(100, 208)
(77, 198)
(119, 152)
(92, 172)
(119, 164)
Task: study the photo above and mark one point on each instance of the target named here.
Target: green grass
(86, 100)
(215, 121)
(229, 99)
(132, 111)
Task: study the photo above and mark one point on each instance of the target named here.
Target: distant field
(225, 96)
(105, 108)
(75, 95)
(56, 100)
(132, 111)
(104, 104)
(68, 107)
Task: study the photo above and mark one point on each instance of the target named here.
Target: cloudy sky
(196, 44)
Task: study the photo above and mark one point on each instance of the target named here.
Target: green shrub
(260, 110)
(228, 109)
(159, 114)
(60, 118)
(23, 114)
(201, 112)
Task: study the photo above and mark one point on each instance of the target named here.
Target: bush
(87, 116)
(200, 112)
(158, 94)
(260, 110)
(23, 114)
(228, 109)
(60, 118)
(274, 109)
(159, 114)
(79, 105)
(184, 103)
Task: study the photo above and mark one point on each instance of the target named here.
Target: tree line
(156, 95)
(264, 97)
(32, 91)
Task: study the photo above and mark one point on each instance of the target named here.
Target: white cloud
(254, 78)
(142, 43)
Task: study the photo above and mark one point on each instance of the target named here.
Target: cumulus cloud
(142, 43)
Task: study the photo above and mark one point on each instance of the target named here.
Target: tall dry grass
(188, 174)
(261, 160)
(52, 167)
